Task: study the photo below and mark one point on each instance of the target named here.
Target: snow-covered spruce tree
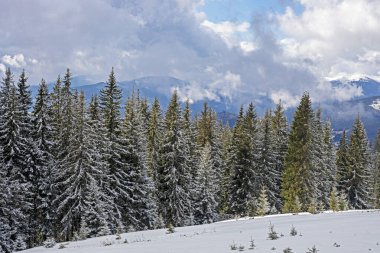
(358, 178)
(267, 175)
(329, 158)
(30, 153)
(209, 130)
(226, 172)
(6, 244)
(14, 162)
(82, 172)
(263, 204)
(297, 181)
(280, 139)
(189, 135)
(342, 163)
(333, 201)
(140, 213)
(102, 144)
(109, 101)
(241, 188)
(318, 166)
(216, 144)
(376, 171)
(155, 125)
(42, 135)
(173, 173)
(205, 204)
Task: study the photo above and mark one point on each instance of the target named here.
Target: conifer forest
(75, 167)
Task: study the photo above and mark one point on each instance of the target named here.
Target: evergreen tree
(358, 178)
(267, 175)
(43, 140)
(241, 190)
(205, 205)
(141, 210)
(376, 169)
(83, 168)
(333, 202)
(280, 139)
(263, 204)
(297, 182)
(155, 126)
(173, 174)
(14, 165)
(226, 172)
(342, 164)
(109, 101)
(318, 166)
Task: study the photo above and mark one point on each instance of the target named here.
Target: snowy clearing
(350, 231)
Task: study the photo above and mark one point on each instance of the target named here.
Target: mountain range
(341, 114)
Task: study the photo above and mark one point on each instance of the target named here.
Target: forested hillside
(73, 170)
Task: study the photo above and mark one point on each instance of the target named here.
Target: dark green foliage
(297, 181)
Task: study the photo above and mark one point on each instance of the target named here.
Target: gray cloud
(144, 37)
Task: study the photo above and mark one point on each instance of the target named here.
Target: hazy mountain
(342, 114)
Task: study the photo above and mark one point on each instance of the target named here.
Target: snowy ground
(353, 231)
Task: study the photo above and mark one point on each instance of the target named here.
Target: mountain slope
(349, 232)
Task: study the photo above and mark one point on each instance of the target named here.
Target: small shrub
(336, 245)
(62, 246)
(293, 231)
(125, 241)
(312, 250)
(118, 237)
(288, 250)
(241, 248)
(49, 242)
(272, 235)
(252, 244)
(107, 243)
(273, 248)
(171, 229)
(233, 246)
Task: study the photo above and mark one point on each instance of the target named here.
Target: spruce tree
(342, 163)
(297, 182)
(280, 139)
(376, 169)
(109, 101)
(155, 125)
(241, 189)
(173, 174)
(358, 178)
(141, 209)
(82, 173)
(14, 164)
(267, 174)
(42, 135)
(205, 203)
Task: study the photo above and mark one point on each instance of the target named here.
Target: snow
(376, 104)
(354, 231)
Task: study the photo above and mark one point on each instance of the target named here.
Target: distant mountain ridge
(342, 114)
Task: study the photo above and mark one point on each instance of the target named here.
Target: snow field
(350, 231)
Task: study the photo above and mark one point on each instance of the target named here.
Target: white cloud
(16, 61)
(337, 37)
(2, 68)
(286, 99)
(228, 31)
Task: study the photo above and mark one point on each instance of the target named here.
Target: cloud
(2, 68)
(16, 61)
(281, 55)
(338, 38)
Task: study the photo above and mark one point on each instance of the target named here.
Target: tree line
(71, 169)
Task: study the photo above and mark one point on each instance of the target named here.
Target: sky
(239, 49)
